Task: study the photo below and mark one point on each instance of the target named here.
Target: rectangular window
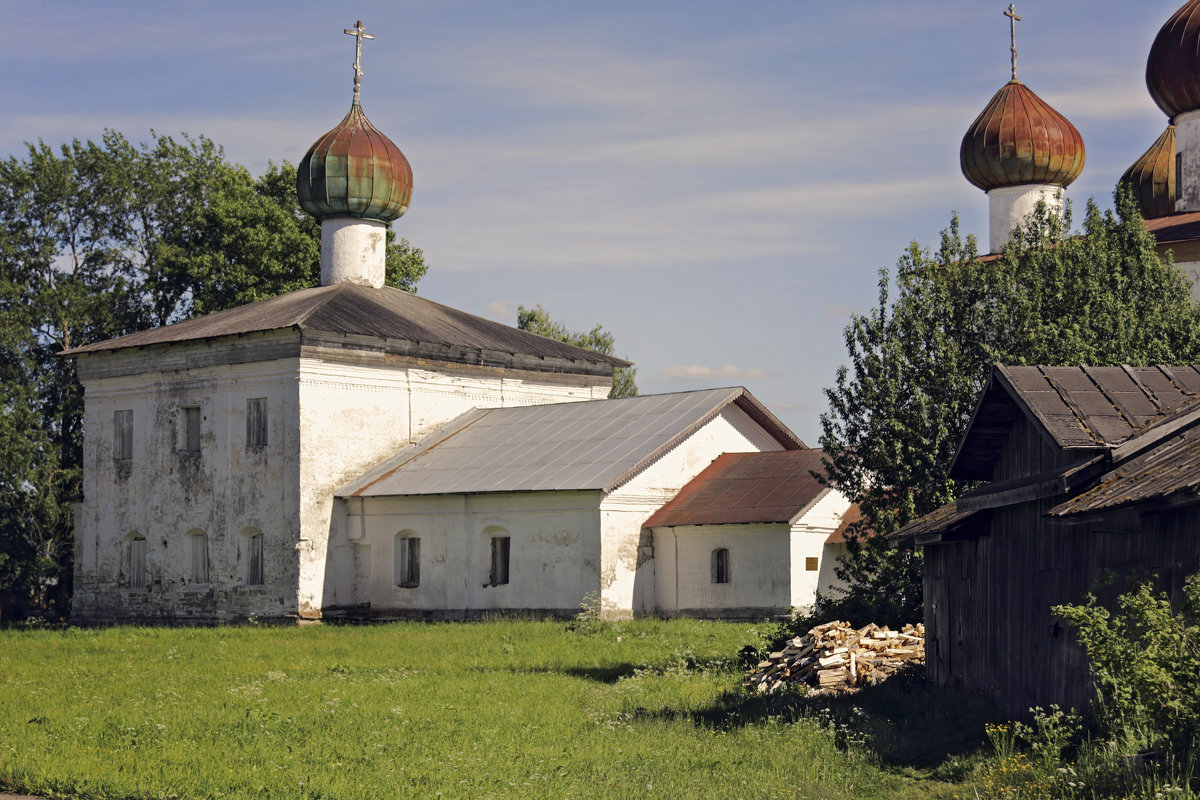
(256, 422)
(190, 435)
(199, 558)
(254, 567)
(408, 561)
(500, 549)
(122, 435)
(137, 563)
(720, 565)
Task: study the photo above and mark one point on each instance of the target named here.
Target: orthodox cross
(359, 33)
(1012, 15)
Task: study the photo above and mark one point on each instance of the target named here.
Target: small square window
(189, 417)
(122, 435)
(256, 422)
(810, 563)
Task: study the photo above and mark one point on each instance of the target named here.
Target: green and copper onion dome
(1173, 68)
(1018, 139)
(1152, 177)
(355, 171)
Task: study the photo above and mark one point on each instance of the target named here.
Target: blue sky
(718, 184)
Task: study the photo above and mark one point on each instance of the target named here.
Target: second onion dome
(1152, 177)
(1019, 139)
(1173, 68)
(355, 171)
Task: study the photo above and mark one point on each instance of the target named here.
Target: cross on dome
(359, 32)
(1014, 19)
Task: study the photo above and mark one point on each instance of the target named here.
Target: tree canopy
(598, 340)
(919, 359)
(101, 239)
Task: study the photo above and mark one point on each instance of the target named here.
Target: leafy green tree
(598, 340)
(100, 239)
(918, 362)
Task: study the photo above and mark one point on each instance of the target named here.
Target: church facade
(275, 460)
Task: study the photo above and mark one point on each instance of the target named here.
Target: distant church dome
(1153, 177)
(1019, 139)
(355, 171)
(1173, 69)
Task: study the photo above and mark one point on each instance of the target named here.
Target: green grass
(496, 709)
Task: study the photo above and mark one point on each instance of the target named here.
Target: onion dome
(1152, 177)
(1018, 138)
(1173, 69)
(354, 171)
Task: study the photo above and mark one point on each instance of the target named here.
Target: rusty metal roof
(1018, 138)
(1173, 68)
(591, 445)
(1152, 177)
(1078, 408)
(354, 171)
(1175, 228)
(346, 308)
(747, 487)
(853, 514)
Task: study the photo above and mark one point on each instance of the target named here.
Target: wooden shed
(1089, 471)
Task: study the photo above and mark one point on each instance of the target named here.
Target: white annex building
(353, 450)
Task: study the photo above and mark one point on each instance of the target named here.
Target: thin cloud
(696, 372)
(501, 311)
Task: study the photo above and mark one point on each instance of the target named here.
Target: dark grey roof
(598, 444)
(1079, 408)
(345, 308)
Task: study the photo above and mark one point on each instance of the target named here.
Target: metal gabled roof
(746, 488)
(346, 308)
(591, 445)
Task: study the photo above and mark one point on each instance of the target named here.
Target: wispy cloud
(727, 372)
(502, 311)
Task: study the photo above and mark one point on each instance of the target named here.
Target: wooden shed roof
(747, 487)
(347, 308)
(1077, 408)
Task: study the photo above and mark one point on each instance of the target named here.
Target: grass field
(510, 709)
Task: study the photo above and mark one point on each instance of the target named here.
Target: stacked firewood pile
(835, 657)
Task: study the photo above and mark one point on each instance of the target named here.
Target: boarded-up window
(199, 557)
(254, 561)
(137, 562)
(256, 422)
(408, 560)
(498, 576)
(810, 563)
(122, 435)
(189, 440)
(720, 565)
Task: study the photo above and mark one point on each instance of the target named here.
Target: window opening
(254, 564)
(408, 560)
(191, 429)
(500, 551)
(720, 565)
(123, 435)
(256, 422)
(137, 562)
(199, 558)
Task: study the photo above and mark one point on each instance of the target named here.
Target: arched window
(408, 559)
(137, 561)
(253, 572)
(198, 541)
(501, 548)
(720, 565)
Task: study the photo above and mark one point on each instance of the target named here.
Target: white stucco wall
(353, 251)
(1010, 206)
(353, 416)
(163, 494)
(554, 557)
(627, 551)
(1187, 145)
(760, 570)
(808, 535)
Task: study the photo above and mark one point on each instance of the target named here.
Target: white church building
(353, 450)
